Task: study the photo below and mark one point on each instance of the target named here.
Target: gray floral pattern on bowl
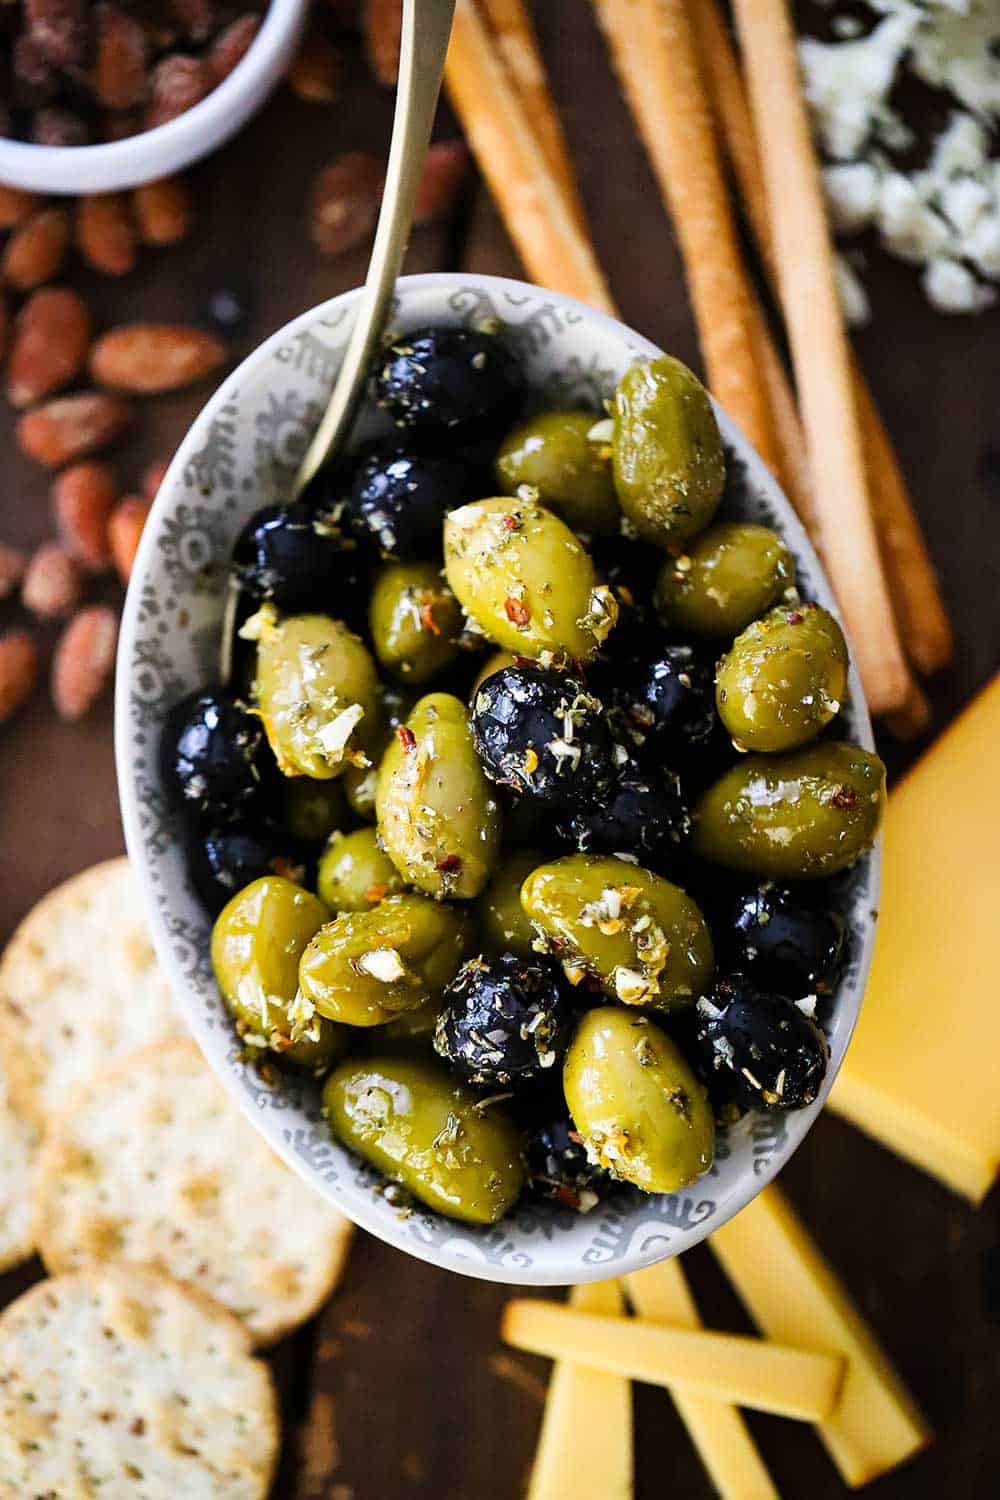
(240, 454)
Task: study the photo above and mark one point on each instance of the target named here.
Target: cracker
(19, 1142)
(118, 1382)
(154, 1164)
(79, 985)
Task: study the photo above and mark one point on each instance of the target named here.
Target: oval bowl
(242, 452)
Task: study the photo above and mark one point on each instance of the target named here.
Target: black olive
(761, 1050)
(297, 557)
(638, 813)
(782, 939)
(458, 380)
(223, 861)
(666, 706)
(542, 734)
(504, 1020)
(215, 758)
(399, 499)
(558, 1167)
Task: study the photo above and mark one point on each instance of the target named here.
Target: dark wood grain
(400, 1390)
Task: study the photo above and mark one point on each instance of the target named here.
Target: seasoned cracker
(153, 1163)
(19, 1143)
(79, 986)
(118, 1382)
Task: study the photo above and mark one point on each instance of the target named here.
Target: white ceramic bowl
(241, 453)
(157, 153)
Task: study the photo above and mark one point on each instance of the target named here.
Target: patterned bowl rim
(358, 1202)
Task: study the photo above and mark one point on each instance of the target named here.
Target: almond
(15, 206)
(105, 233)
(154, 477)
(162, 211)
(12, 565)
(51, 337)
(196, 19)
(71, 427)
(83, 498)
(231, 46)
(125, 531)
(83, 659)
(179, 83)
(345, 202)
(383, 26)
(18, 670)
(36, 250)
(52, 584)
(60, 29)
(120, 58)
(55, 126)
(34, 77)
(316, 71)
(445, 168)
(151, 357)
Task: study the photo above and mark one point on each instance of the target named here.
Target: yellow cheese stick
(661, 1295)
(793, 1295)
(585, 1445)
(921, 1071)
(745, 1371)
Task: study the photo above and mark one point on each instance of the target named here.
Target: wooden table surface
(400, 1390)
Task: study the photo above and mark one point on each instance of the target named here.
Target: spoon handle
(426, 28)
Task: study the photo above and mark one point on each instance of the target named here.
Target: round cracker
(79, 986)
(118, 1382)
(154, 1164)
(19, 1143)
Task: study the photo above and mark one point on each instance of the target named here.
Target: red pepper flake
(844, 797)
(288, 869)
(575, 1137)
(376, 893)
(427, 620)
(517, 612)
(511, 522)
(280, 1043)
(795, 617)
(406, 737)
(566, 1195)
(449, 865)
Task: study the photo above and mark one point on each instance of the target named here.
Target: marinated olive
(214, 756)
(540, 733)
(438, 816)
(639, 814)
(414, 619)
(558, 1165)
(761, 1050)
(458, 381)
(359, 781)
(526, 580)
(355, 873)
(224, 860)
(493, 663)
(411, 1120)
(506, 927)
(669, 466)
(399, 500)
(570, 471)
(727, 577)
(642, 938)
(663, 706)
(365, 968)
(504, 1020)
(793, 817)
(311, 810)
(642, 1114)
(783, 939)
(783, 680)
(298, 557)
(256, 945)
(317, 690)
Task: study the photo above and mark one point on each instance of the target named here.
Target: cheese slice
(661, 1294)
(585, 1445)
(921, 1072)
(793, 1295)
(745, 1371)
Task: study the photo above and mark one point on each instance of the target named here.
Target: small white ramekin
(157, 153)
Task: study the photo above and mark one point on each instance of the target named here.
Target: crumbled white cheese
(852, 191)
(847, 83)
(853, 297)
(983, 244)
(907, 226)
(952, 288)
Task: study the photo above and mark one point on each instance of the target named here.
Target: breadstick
(534, 208)
(654, 53)
(819, 349)
(517, 43)
(912, 580)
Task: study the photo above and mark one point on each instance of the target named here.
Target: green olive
(365, 968)
(438, 816)
(257, 941)
(359, 789)
(726, 578)
(570, 471)
(793, 817)
(783, 680)
(411, 1120)
(526, 580)
(311, 810)
(506, 926)
(642, 1113)
(644, 939)
(317, 690)
(669, 466)
(355, 873)
(413, 618)
(359, 781)
(494, 663)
